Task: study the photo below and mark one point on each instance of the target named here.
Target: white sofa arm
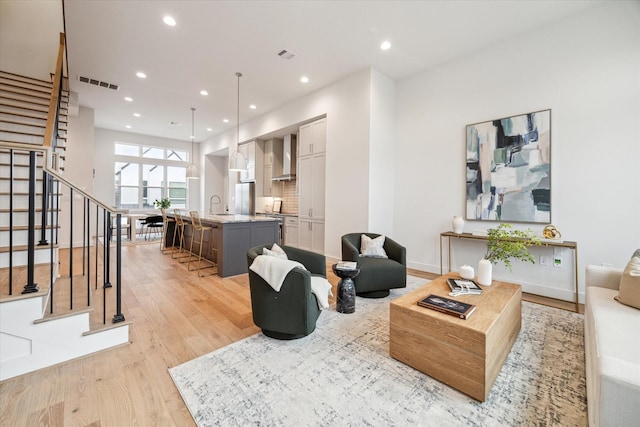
(604, 277)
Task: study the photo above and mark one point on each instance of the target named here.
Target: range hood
(288, 159)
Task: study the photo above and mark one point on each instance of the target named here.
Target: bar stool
(198, 227)
(180, 252)
(163, 243)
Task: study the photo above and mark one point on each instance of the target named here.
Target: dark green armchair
(291, 313)
(377, 275)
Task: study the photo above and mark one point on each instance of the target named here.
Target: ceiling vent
(100, 83)
(285, 54)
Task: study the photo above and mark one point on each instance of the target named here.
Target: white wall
(382, 154)
(587, 70)
(104, 160)
(80, 146)
(215, 182)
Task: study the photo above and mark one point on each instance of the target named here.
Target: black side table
(346, 289)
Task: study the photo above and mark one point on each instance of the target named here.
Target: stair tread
(25, 227)
(21, 248)
(26, 79)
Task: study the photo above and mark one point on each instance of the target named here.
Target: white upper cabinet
(313, 138)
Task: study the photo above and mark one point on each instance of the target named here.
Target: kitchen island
(230, 238)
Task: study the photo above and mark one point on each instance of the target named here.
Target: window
(144, 174)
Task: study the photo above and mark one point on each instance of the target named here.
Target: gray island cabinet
(229, 240)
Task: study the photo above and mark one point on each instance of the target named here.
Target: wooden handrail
(55, 91)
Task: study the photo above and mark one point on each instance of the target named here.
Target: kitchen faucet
(211, 203)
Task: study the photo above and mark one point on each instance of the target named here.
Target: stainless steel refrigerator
(246, 198)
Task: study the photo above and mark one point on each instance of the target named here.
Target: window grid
(144, 174)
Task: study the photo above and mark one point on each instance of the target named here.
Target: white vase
(466, 272)
(485, 271)
(458, 224)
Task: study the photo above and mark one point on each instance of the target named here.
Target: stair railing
(101, 272)
(50, 138)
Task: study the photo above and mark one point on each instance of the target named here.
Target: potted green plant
(504, 244)
(162, 203)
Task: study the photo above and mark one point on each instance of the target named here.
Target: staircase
(56, 304)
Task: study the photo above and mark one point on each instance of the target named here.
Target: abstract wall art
(508, 173)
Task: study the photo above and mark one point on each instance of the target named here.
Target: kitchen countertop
(278, 215)
(229, 218)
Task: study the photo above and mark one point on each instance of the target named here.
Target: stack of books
(448, 306)
(346, 265)
(463, 286)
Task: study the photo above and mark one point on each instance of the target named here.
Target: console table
(544, 242)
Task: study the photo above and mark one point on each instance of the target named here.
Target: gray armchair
(377, 275)
(291, 313)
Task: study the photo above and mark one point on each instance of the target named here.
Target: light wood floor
(176, 317)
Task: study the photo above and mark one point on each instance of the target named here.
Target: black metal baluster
(118, 317)
(11, 221)
(97, 246)
(88, 210)
(107, 251)
(45, 205)
(70, 248)
(84, 225)
(31, 286)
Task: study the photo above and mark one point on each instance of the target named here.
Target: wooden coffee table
(464, 354)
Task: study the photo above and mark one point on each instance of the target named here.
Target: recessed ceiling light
(169, 21)
(225, 120)
(204, 92)
(141, 75)
(128, 126)
(304, 79)
(253, 106)
(128, 99)
(136, 114)
(209, 130)
(385, 45)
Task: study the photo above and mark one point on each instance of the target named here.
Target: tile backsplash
(289, 197)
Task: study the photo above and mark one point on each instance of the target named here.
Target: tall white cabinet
(311, 185)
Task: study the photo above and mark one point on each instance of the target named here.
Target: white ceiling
(112, 40)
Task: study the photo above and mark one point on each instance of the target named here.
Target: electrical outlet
(557, 261)
(544, 260)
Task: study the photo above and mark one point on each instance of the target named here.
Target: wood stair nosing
(26, 227)
(22, 123)
(24, 193)
(20, 103)
(41, 125)
(26, 144)
(30, 116)
(21, 248)
(21, 78)
(26, 210)
(3, 104)
(22, 133)
(27, 97)
(29, 86)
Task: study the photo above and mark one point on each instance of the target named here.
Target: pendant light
(192, 170)
(237, 162)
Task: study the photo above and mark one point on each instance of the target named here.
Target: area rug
(342, 374)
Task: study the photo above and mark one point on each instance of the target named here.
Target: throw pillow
(270, 252)
(629, 290)
(372, 247)
(277, 249)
